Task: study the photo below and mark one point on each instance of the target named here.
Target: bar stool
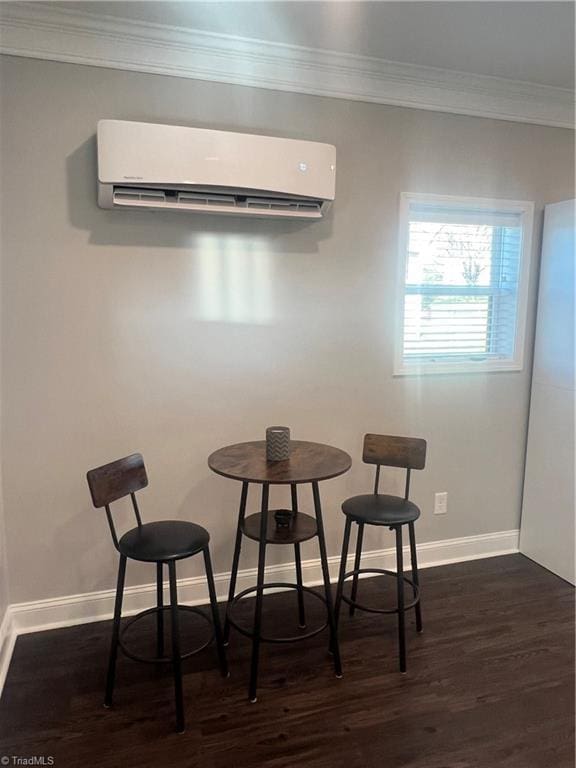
(393, 511)
(162, 543)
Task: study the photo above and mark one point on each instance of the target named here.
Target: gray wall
(174, 335)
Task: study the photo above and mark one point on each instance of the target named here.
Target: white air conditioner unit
(142, 165)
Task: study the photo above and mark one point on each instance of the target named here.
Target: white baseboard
(67, 611)
(7, 642)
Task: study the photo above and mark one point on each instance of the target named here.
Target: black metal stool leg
(215, 616)
(400, 587)
(259, 595)
(298, 563)
(415, 577)
(359, 538)
(300, 591)
(176, 660)
(343, 559)
(334, 645)
(160, 614)
(236, 559)
(115, 632)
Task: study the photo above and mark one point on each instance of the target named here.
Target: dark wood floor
(490, 684)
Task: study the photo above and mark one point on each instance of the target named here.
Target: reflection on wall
(232, 279)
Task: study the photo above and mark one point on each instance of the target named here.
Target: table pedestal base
(262, 528)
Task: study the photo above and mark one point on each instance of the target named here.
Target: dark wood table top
(308, 462)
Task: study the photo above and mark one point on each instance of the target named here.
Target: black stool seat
(164, 540)
(379, 509)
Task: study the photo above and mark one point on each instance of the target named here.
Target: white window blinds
(464, 270)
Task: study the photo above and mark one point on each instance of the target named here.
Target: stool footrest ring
(381, 572)
(264, 638)
(163, 659)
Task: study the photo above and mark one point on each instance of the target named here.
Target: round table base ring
(264, 638)
(381, 572)
(163, 659)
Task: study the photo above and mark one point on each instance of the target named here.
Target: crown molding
(43, 32)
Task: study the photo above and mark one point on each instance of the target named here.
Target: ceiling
(528, 41)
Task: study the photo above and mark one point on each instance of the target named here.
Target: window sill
(429, 369)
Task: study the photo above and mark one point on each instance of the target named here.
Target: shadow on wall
(167, 229)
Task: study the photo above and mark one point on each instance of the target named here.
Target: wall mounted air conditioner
(142, 165)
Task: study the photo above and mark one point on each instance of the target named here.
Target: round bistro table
(308, 463)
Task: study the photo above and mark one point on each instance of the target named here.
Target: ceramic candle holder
(277, 443)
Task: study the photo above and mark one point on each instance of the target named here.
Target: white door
(547, 527)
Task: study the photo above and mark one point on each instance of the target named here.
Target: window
(463, 277)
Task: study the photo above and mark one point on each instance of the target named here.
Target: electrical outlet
(441, 503)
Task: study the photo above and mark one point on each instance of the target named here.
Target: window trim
(516, 363)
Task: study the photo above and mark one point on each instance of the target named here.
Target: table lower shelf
(302, 528)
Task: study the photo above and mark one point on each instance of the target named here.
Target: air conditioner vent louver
(276, 204)
(205, 198)
(152, 195)
(212, 202)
